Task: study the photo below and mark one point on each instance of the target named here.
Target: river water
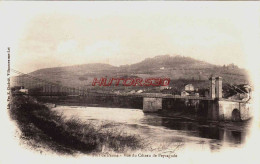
(160, 130)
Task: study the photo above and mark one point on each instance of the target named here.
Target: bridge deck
(55, 89)
(150, 95)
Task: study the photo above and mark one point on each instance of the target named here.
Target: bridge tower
(212, 89)
(218, 87)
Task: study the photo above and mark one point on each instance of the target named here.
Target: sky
(44, 34)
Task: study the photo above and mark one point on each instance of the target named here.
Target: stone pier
(226, 109)
(215, 107)
(152, 104)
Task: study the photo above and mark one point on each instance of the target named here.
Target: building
(24, 91)
(189, 87)
(140, 91)
(133, 91)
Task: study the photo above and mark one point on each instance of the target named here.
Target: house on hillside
(140, 91)
(189, 90)
(117, 92)
(132, 91)
(23, 90)
(189, 87)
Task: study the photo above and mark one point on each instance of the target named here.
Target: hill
(177, 68)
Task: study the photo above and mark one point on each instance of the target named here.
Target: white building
(24, 91)
(189, 87)
(140, 91)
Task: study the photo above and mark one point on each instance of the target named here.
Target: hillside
(174, 67)
(168, 62)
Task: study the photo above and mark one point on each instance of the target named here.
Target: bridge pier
(232, 110)
(213, 107)
(227, 109)
(152, 104)
(213, 110)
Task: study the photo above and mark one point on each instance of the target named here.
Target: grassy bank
(41, 127)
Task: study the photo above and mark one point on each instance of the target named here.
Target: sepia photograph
(141, 81)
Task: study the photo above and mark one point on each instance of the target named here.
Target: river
(160, 130)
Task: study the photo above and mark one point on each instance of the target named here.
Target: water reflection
(231, 132)
(161, 129)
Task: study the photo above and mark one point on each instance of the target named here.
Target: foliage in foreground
(39, 124)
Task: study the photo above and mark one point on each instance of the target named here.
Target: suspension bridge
(41, 87)
(216, 107)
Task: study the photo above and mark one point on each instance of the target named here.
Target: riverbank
(43, 129)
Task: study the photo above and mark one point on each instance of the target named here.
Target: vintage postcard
(130, 82)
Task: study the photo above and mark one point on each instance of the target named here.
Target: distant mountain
(179, 67)
(167, 62)
(78, 69)
(74, 76)
(173, 67)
